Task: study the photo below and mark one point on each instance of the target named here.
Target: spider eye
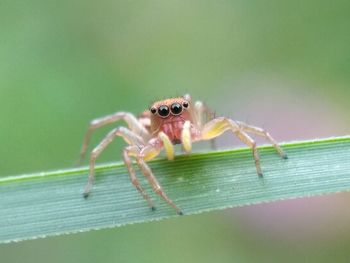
(163, 111)
(185, 104)
(176, 108)
(153, 110)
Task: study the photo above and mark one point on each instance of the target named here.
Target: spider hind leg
(149, 152)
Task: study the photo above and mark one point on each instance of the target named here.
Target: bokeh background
(282, 65)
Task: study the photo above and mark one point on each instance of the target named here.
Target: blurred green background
(282, 65)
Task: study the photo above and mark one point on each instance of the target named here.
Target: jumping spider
(167, 122)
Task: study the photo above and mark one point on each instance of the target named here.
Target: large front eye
(176, 108)
(163, 111)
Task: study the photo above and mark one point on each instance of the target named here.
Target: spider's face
(169, 108)
(174, 110)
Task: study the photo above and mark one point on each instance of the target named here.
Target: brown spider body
(167, 122)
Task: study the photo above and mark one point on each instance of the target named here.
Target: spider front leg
(149, 152)
(133, 124)
(218, 126)
(127, 153)
(128, 136)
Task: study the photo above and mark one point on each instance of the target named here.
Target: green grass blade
(47, 204)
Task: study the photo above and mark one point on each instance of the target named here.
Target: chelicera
(164, 124)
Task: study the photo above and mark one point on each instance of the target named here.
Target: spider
(166, 123)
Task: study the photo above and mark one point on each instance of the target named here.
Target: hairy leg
(218, 126)
(263, 133)
(203, 114)
(133, 124)
(150, 151)
(134, 151)
(252, 144)
(155, 184)
(127, 135)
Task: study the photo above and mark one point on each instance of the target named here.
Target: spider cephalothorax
(167, 122)
(169, 116)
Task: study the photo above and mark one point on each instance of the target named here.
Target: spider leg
(147, 153)
(134, 151)
(127, 135)
(132, 122)
(252, 144)
(155, 184)
(263, 133)
(218, 126)
(203, 114)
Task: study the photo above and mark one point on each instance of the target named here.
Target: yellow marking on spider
(186, 137)
(168, 146)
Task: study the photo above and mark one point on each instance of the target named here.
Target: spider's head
(173, 110)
